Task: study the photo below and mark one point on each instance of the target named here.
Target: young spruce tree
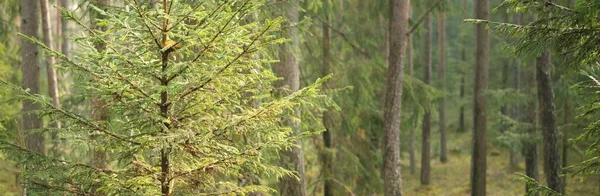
(178, 81)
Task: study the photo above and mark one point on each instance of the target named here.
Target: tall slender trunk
(393, 97)
(482, 53)
(99, 157)
(552, 168)
(426, 128)
(411, 131)
(565, 140)
(165, 161)
(463, 58)
(504, 109)
(288, 68)
(442, 76)
(65, 31)
(30, 69)
(51, 72)
(327, 115)
(530, 148)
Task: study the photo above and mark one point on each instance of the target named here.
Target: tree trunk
(327, 115)
(393, 97)
(463, 58)
(411, 132)
(565, 140)
(99, 157)
(65, 47)
(530, 149)
(442, 76)
(30, 69)
(552, 168)
(426, 128)
(530, 146)
(482, 53)
(288, 68)
(51, 72)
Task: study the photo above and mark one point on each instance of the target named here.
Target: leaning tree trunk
(552, 163)
(426, 127)
(482, 53)
(327, 115)
(288, 68)
(442, 76)
(393, 97)
(51, 72)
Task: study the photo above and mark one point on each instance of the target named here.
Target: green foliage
(178, 84)
(571, 33)
(535, 188)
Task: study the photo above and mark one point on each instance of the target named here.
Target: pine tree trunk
(442, 76)
(530, 146)
(565, 140)
(30, 69)
(463, 58)
(411, 131)
(65, 47)
(327, 115)
(393, 97)
(426, 128)
(288, 68)
(482, 53)
(552, 164)
(99, 157)
(50, 72)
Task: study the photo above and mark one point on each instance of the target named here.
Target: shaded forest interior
(299, 97)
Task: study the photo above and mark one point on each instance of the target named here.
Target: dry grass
(453, 178)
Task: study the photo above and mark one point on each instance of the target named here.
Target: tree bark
(565, 140)
(30, 69)
(393, 97)
(99, 157)
(51, 72)
(463, 58)
(552, 168)
(426, 128)
(327, 115)
(288, 68)
(442, 76)
(482, 53)
(411, 132)
(65, 47)
(530, 146)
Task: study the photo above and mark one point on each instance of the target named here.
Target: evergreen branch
(142, 17)
(70, 115)
(423, 17)
(221, 30)
(344, 37)
(186, 16)
(54, 160)
(245, 51)
(72, 189)
(237, 189)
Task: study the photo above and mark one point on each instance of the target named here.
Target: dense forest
(299, 97)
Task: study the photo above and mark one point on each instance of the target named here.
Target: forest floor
(452, 178)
